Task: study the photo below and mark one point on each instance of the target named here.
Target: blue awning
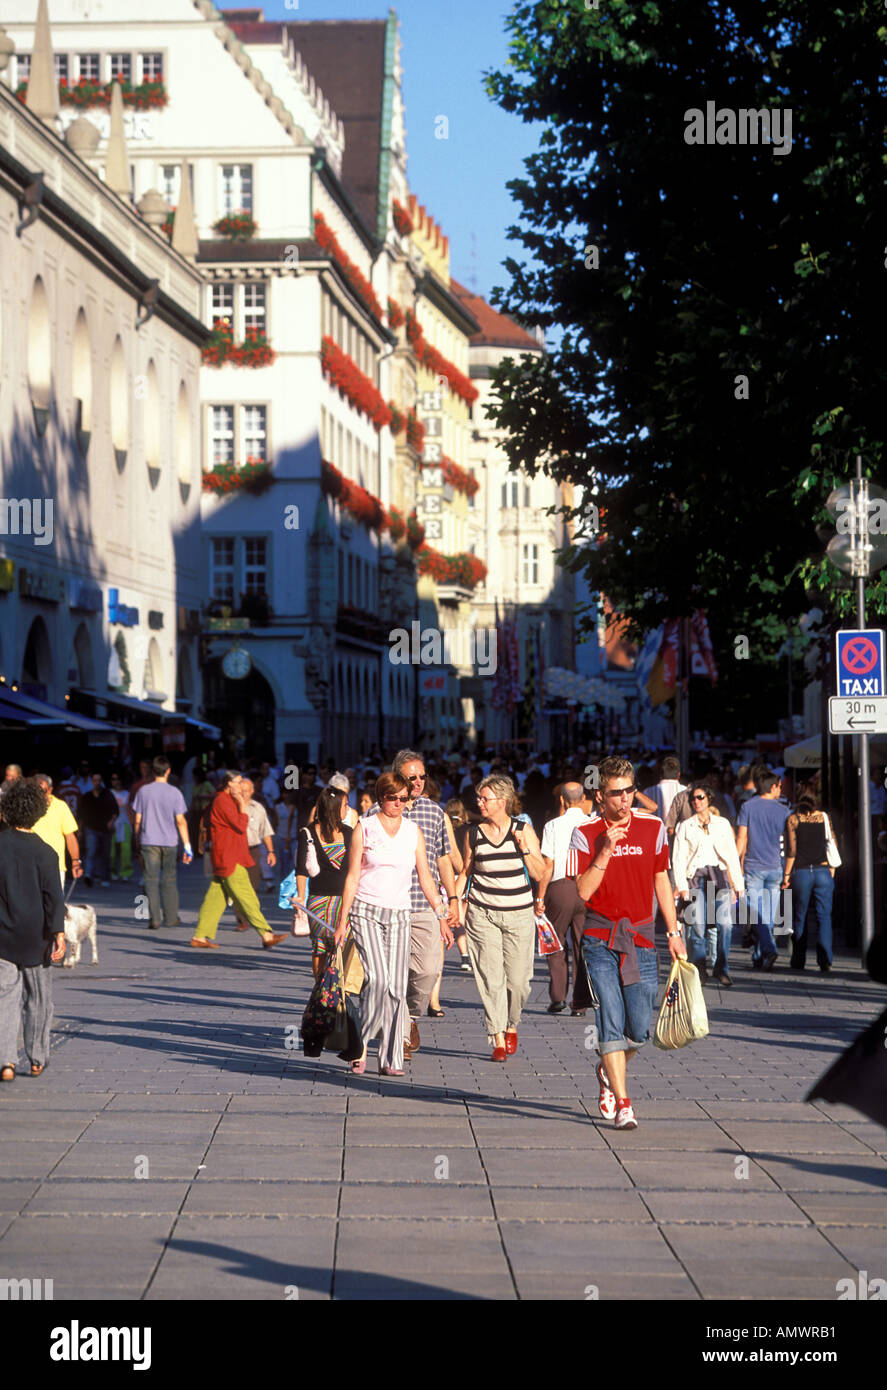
(28, 710)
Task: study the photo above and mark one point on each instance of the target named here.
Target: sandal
(10, 1069)
(434, 1013)
(38, 1068)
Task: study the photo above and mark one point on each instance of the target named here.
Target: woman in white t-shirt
(385, 849)
(704, 854)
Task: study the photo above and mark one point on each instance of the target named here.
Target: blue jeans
(818, 884)
(625, 1012)
(762, 890)
(709, 922)
(98, 853)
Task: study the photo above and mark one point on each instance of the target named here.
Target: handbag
(831, 848)
(337, 1039)
(683, 1017)
(320, 1016)
(312, 865)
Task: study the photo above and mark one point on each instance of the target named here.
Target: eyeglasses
(702, 797)
(484, 799)
(418, 777)
(623, 791)
(402, 799)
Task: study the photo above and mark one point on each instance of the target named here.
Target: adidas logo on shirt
(628, 849)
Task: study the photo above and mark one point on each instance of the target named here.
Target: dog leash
(70, 890)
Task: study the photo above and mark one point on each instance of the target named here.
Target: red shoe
(499, 1054)
(511, 1041)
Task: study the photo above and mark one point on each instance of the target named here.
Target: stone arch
(36, 669)
(119, 389)
(40, 354)
(84, 660)
(82, 383)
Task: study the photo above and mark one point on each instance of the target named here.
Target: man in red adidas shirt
(620, 861)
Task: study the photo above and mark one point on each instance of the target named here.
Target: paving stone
(590, 1249)
(669, 1136)
(731, 1261)
(762, 1110)
(420, 1202)
(268, 1161)
(296, 1131)
(287, 1105)
(726, 1208)
(569, 1168)
(219, 1258)
(405, 1247)
(415, 1164)
(612, 1287)
(423, 1131)
(578, 1132)
(827, 1173)
(223, 1197)
(864, 1248)
(107, 1160)
(25, 1158)
(358, 1286)
(16, 1192)
(774, 1136)
(845, 1208)
(691, 1173)
(558, 1204)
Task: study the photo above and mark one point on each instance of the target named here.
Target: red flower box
(254, 477)
(437, 363)
(87, 92)
(237, 226)
(466, 571)
(396, 316)
(415, 432)
(326, 238)
(402, 220)
(347, 377)
(456, 476)
(254, 351)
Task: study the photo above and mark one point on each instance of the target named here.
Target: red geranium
(347, 377)
(437, 363)
(326, 237)
(402, 220)
(464, 570)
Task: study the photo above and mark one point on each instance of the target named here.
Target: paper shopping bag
(683, 1017)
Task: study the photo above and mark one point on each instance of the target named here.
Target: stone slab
(109, 1160)
(223, 1197)
(414, 1164)
(692, 1173)
(589, 1249)
(570, 1168)
(845, 1208)
(725, 1261)
(230, 1161)
(564, 1204)
(754, 1208)
(536, 1286)
(437, 1131)
(776, 1136)
(406, 1247)
(89, 1197)
(30, 1158)
(828, 1173)
(421, 1202)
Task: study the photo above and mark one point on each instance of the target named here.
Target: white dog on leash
(80, 923)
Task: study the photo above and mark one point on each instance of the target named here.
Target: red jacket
(228, 832)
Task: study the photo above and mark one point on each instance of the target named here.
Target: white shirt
(258, 825)
(556, 838)
(664, 793)
(693, 849)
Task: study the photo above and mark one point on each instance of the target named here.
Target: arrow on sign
(861, 723)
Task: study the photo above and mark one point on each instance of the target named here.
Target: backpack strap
(511, 835)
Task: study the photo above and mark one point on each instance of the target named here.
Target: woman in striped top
(501, 856)
(332, 840)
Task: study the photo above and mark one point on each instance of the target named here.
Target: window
(61, 67)
(23, 67)
(255, 566)
(221, 446)
(237, 188)
(121, 67)
(222, 304)
(472, 498)
(221, 579)
(526, 494)
(340, 451)
(254, 432)
(531, 564)
(509, 491)
(254, 311)
(88, 67)
(152, 67)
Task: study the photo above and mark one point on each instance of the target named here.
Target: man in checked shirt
(620, 862)
(425, 936)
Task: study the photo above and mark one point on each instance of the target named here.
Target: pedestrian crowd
(392, 864)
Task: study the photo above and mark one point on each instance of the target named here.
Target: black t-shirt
(32, 909)
(94, 812)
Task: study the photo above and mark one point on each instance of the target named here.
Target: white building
(239, 106)
(100, 339)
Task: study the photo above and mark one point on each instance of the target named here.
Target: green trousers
(238, 888)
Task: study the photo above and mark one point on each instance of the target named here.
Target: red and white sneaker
(625, 1116)
(607, 1099)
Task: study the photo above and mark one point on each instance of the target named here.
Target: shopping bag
(354, 1051)
(320, 1016)
(547, 937)
(683, 1017)
(301, 925)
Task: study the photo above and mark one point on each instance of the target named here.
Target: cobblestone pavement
(265, 1175)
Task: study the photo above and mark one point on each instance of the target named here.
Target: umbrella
(859, 1076)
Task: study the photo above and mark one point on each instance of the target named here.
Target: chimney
(43, 92)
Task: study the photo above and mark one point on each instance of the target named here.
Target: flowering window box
(254, 351)
(353, 499)
(254, 477)
(87, 92)
(237, 226)
(457, 477)
(347, 377)
(435, 361)
(460, 571)
(327, 239)
(402, 220)
(415, 432)
(396, 315)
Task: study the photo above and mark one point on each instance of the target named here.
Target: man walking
(758, 842)
(58, 828)
(620, 859)
(231, 859)
(558, 899)
(97, 811)
(259, 836)
(425, 933)
(160, 818)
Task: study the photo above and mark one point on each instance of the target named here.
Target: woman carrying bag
(322, 856)
(500, 858)
(810, 861)
(385, 849)
(704, 852)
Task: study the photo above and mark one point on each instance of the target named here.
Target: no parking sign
(860, 653)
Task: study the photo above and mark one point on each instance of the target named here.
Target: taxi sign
(860, 662)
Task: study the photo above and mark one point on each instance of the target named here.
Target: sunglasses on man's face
(417, 777)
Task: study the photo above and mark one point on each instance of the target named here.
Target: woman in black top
(808, 871)
(32, 928)
(330, 838)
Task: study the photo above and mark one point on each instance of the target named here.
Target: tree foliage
(714, 262)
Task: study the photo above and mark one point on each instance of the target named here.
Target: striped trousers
(26, 1000)
(382, 937)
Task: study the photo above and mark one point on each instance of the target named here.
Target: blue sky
(447, 45)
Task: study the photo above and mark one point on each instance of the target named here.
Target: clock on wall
(237, 663)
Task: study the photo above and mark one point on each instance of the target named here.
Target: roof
(496, 330)
(346, 58)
